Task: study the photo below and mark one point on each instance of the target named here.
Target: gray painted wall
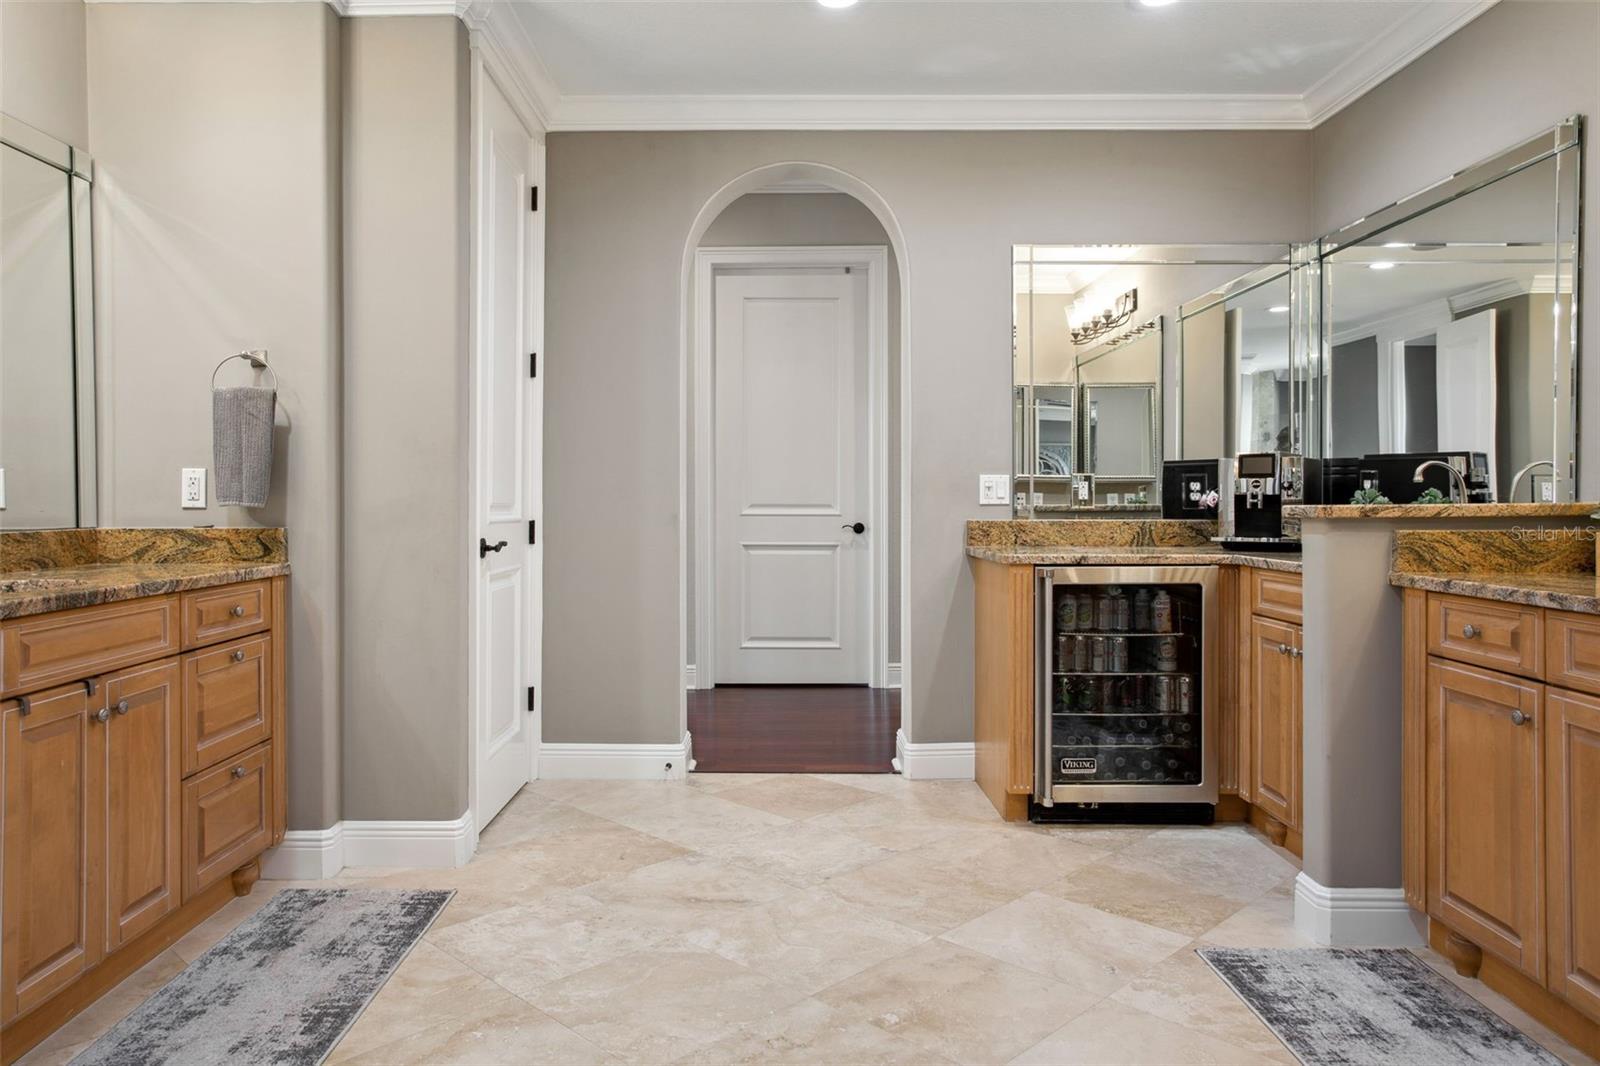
(785, 220)
(1352, 385)
(218, 230)
(406, 242)
(44, 67)
(1517, 69)
(961, 200)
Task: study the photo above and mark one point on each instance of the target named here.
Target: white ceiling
(955, 64)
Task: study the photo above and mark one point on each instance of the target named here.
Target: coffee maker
(1256, 490)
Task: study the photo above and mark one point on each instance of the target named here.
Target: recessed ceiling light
(1279, 309)
(1397, 244)
(1382, 265)
(1157, 3)
(836, 4)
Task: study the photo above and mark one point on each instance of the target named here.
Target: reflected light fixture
(1279, 309)
(1157, 3)
(837, 4)
(1381, 265)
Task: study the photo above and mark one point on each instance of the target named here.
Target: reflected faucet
(1455, 474)
(1512, 498)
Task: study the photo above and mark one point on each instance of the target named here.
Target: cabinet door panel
(227, 818)
(143, 861)
(1572, 799)
(227, 703)
(50, 916)
(1275, 719)
(1485, 868)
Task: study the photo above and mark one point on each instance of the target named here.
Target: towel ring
(256, 358)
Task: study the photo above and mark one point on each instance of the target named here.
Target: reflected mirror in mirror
(1449, 333)
(1237, 367)
(1103, 391)
(46, 370)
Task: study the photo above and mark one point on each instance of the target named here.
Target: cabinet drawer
(1501, 636)
(210, 615)
(1275, 594)
(49, 649)
(226, 818)
(227, 701)
(1572, 651)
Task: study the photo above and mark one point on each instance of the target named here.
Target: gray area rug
(1369, 1005)
(282, 988)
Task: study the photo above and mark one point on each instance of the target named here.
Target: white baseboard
(317, 854)
(306, 855)
(1354, 917)
(891, 676)
(927, 762)
(614, 762)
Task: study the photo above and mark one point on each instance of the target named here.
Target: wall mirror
(47, 439)
(1110, 375)
(1449, 325)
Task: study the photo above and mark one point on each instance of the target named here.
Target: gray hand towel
(241, 439)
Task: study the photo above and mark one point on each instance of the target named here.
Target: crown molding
(928, 112)
(1387, 55)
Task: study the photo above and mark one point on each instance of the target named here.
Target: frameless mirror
(1111, 376)
(46, 334)
(1449, 326)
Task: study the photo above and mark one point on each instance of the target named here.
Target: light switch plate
(992, 489)
(193, 489)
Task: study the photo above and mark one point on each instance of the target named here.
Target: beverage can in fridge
(1166, 653)
(1141, 611)
(1161, 694)
(1185, 694)
(1119, 654)
(1105, 612)
(1085, 611)
(1097, 654)
(1066, 612)
(1161, 612)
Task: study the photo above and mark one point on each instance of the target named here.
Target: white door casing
(1464, 375)
(506, 416)
(791, 446)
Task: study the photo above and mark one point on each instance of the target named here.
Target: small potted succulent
(1431, 495)
(1367, 496)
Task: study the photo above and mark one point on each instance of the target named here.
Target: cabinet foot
(1277, 832)
(245, 877)
(1463, 954)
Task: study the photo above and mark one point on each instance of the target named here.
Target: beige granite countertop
(30, 592)
(1564, 592)
(1440, 510)
(56, 570)
(1198, 555)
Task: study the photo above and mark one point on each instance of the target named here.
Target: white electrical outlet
(194, 487)
(992, 489)
(2, 488)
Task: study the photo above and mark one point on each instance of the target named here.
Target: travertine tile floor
(812, 918)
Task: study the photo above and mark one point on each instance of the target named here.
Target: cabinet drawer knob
(1283, 649)
(238, 655)
(102, 714)
(1518, 718)
(1471, 631)
(238, 771)
(122, 706)
(237, 610)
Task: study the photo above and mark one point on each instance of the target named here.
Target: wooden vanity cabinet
(139, 796)
(1500, 756)
(1269, 694)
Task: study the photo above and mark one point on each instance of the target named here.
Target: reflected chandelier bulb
(837, 4)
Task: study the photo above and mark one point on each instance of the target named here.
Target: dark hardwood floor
(794, 729)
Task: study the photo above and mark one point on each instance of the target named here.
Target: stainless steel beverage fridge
(1126, 704)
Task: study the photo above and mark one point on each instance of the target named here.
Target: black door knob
(484, 547)
(855, 527)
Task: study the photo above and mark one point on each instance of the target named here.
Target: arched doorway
(793, 572)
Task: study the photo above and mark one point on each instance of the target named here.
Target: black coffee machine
(1260, 486)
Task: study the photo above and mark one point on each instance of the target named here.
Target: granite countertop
(29, 592)
(1197, 555)
(1564, 592)
(1439, 510)
(56, 570)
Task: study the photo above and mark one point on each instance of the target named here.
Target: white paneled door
(507, 414)
(791, 534)
(1464, 380)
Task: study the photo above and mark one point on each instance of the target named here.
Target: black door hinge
(533, 364)
(531, 703)
(535, 198)
(533, 529)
